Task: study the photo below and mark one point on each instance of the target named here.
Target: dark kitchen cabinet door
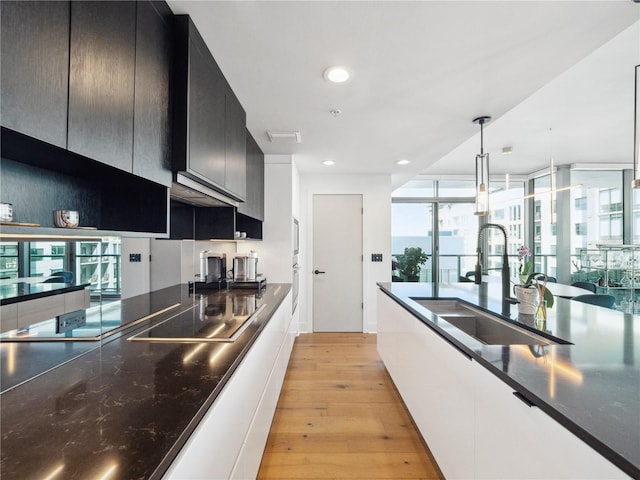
(101, 81)
(151, 126)
(235, 147)
(254, 205)
(35, 69)
(206, 135)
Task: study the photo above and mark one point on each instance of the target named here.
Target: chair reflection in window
(586, 285)
(60, 277)
(602, 300)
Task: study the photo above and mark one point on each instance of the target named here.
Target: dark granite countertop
(591, 385)
(123, 408)
(22, 291)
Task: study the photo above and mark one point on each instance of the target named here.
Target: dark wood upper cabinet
(101, 81)
(254, 205)
(151, 127)
(206, 104)
(209, 122)
(235, 179)
(35, 69)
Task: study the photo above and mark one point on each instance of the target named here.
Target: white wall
(178, 261)
(376, 197)
(135, 275)
(275, 252)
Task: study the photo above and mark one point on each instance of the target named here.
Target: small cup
(237, 234)
(243, 234)
(66, 218)
(6, 212)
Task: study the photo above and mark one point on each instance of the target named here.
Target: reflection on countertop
(211, 319)
(28, 352)
(591, 386)
(22, 291)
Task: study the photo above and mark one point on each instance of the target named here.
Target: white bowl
(6, 212)
(66, 218)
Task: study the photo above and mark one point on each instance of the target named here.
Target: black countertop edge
(171, 455)
(614, 457)
(32, 296)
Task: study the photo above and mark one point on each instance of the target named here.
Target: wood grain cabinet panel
(35, 69)
(235, 179)
(101, 81)
(254, 205)
(209, 123)
(206, 136)
(151, 131)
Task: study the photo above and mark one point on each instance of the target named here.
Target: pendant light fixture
(507, 151)
(552, 183)
(636, 134)
(482, 172)
(552, 180)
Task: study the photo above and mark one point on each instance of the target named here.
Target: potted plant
(410, 262)
(525, 265)
(534, 293)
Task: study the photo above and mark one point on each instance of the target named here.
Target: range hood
(185, 190)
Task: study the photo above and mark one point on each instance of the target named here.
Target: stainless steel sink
(488, 329)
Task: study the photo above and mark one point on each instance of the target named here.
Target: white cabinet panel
(39, 309)
(516, 441)
(250, 457)
(23, 314)
(8, 317)
(78, 300)
(229, 441)
(436, 383)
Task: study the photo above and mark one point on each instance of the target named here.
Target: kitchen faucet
(506, 288)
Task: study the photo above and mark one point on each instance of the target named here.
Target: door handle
(317, 272)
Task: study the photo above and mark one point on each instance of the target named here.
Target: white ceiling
(422, 70)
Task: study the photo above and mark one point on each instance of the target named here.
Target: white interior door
(337, 263)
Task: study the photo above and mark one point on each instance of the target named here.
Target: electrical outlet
(135, 257)
(71, 320)
(376, 257)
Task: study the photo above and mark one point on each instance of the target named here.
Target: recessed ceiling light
(404, 161)
(328, 162)
(337, 74)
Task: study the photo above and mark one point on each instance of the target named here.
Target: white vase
(527, 298)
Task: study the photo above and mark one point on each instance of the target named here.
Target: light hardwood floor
(340, 416)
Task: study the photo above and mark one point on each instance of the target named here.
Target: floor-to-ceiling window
(411, 226)
(597, 208)
(438, 216)
(9, 260)
(636, 217)
(47, 258)
(544, 226)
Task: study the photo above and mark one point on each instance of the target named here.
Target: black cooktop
(217, 319)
